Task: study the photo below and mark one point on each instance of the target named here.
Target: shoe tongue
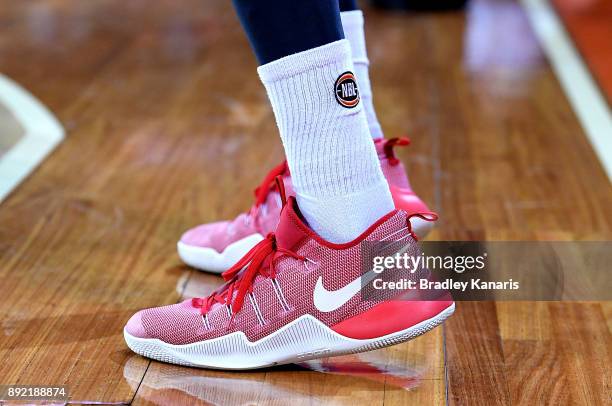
(291, 229)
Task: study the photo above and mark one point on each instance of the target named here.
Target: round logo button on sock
(347, 94)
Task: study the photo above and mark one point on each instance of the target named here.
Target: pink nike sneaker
(403, 196)
(215, 247)
(291, 298)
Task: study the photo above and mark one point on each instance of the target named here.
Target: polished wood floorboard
(168, 126)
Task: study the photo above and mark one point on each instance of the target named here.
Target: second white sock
(352, 24)
(334, 167)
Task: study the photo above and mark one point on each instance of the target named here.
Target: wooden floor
(162, 136)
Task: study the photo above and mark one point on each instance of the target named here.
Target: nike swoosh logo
(330, 300)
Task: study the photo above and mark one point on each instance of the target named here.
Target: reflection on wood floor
(161, 136)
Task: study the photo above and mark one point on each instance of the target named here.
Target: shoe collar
(293, 230)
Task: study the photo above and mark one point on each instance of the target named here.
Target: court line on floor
(42, 133)
(582, 92)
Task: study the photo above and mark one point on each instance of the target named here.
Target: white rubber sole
(210, 260)
(303, 339)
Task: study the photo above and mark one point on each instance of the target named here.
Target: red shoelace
(263, 190)
(260, 260)
(267, 185)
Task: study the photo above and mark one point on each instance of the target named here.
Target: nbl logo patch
(347, 94)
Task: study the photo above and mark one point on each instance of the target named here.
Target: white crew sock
(335, 171)
(352, 23)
